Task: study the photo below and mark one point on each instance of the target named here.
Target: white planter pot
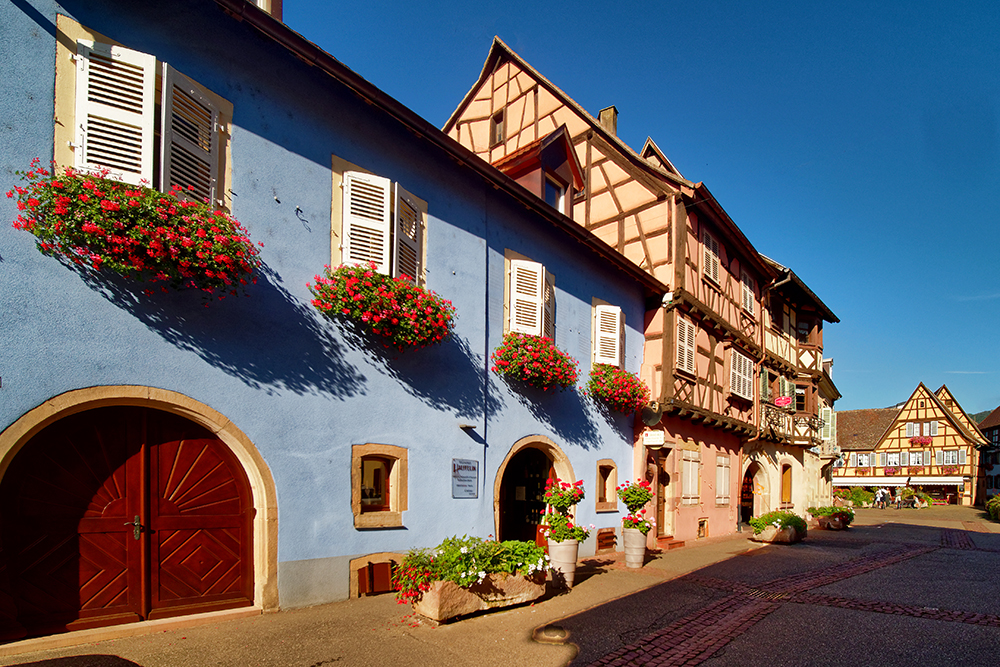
(635, 547)
(562, 559)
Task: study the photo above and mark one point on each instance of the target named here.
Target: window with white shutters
(826, 414)
(526, 289)
(749, 297)
(741, 375)
(934, 428)
(115, 107)
(911, 429)
(722, 467)
(710, 266)
(608, 335)
(691, 478)
(686, 346)
(366, 221)
(892, 459)
(853, 460)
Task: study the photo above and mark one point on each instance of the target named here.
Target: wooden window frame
(498, 128)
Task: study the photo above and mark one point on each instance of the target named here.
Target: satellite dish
(651, 414)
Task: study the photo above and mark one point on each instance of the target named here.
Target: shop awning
(948, 480)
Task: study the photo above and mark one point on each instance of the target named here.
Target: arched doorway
(123, 513)
(750, 490)
(520, 483)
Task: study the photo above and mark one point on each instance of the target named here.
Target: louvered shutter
(115, 110)
(685, 345)
(765, 386)
(827, 416)
(189, 131)
(748, 293)
(608, 337)
(854, 460)
(939, 458)
(366, 220)
(833, 429)
(711, 256)
(408, 236)
(904, 458)
(741, 375)
(927, 458)
(881, 460)
(961, 457)
(909, 429)
(549, 307)
(722, 479)
(934, 428)
(527, 283)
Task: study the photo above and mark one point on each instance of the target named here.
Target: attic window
(555, 194)
(497, 128)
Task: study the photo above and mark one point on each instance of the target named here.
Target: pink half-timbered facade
(706, 338)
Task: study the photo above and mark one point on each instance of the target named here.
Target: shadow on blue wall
(447, 376)
(565, 412)
(269, 339)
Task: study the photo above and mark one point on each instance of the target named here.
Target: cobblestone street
(900, 587)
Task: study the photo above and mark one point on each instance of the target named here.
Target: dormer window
(555, 194)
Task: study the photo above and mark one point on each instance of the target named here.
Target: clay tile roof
(992, 419)
(862, 429)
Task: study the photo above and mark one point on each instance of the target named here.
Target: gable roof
(863, 429)
(313, 55)
(992, 420)
(556, 140)
(962, 419)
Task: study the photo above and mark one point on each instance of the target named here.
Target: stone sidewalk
(684, 607)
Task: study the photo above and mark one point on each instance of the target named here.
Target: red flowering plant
(620, 390)
(401, 313)
(921, 440)
(639, 522)
(95, 222)
(636, 495)
(560, 497)
(534, 360)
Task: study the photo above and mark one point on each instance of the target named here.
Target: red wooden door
(70, 503)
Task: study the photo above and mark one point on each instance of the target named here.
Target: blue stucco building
(119, 405)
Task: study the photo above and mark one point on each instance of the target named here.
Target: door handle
(136, 527)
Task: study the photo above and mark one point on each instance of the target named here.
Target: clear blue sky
(856, 142)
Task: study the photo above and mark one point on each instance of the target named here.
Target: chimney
(608, 119)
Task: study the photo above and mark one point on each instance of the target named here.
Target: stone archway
(753, 492)
(527, 450)
(262, 488)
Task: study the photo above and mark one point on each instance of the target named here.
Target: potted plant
(778, 527)
(100, 224)
(404, 315)
(618, 389)
(993, 507)
(562, 532)
(534, 360)
(465, 574)
(832, 518)
(635, 526)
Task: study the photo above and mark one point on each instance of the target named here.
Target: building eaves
(820, 306)
(313, 55)
(992, 420)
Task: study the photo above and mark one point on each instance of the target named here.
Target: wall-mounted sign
(783, 401)
(464, 478)
(653, 438)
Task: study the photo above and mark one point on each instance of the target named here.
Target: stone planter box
(830, 523)
(775, 535)
(446, 599)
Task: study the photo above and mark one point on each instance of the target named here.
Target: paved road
(901, 587)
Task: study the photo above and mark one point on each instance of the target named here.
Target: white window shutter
(904, 458)
(741, 375)
(961, 457)
(366, 220)
(527, 285)
(711, 256)
(925, 428)
(927, 457)
(827, 416)
(608, 336)
(408, 237)
(189, 136)
(934, 428)
(881, 460)
(115, 110)
(854, 460)
(549, 308)
(748, 293)
(685, 346)
(909, 429)
(939, 457)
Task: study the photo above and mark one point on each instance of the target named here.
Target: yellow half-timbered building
(929, 444)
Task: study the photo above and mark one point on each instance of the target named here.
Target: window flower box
(618, 389)
(534, 360)
(404, 315)
(95, 223)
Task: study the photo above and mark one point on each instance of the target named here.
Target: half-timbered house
(789, 463)
(929, 443)
(988, 484)
(705, 338)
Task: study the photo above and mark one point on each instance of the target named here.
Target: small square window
(378, 485)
